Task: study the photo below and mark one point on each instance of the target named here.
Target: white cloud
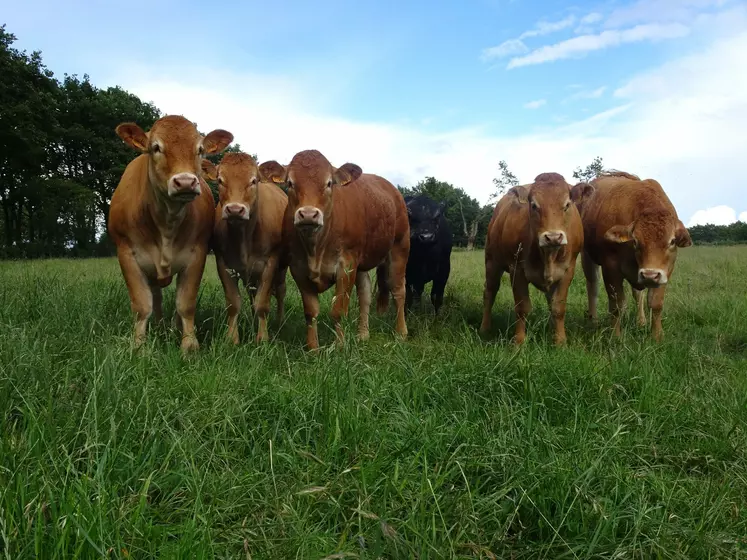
(593, 17)
(661, 11)
(743, 217)
(682, 123)
(506, 48)
(547, 27)
(589, 94)
(579, 46)
(535, 104)
(717, 215)
(517, 46)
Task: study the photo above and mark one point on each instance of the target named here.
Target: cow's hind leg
(363, 289)
(397, 267)
(492, 284)
(591, 272)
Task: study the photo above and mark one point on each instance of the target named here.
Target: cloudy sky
(413, 88)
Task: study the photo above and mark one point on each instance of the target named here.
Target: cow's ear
(682, 236)
(209, 169)
(619, 234)
(581, 192)
(272, 172)
(521, 193)
(347, 174)
(133, 136)
(217, 141)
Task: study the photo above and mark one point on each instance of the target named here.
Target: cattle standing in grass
(430, 249)
(535, 235)
(632, 231)
(161, 218)
(339, 224)
(247, 239)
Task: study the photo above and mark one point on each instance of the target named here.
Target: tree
(504, 182)
(590, 172)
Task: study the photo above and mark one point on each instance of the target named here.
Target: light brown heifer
(632, 231)
(248, 239)
(161, 218)
(535, 235)
(340, 224)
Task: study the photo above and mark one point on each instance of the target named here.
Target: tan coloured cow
(248, 239)
(161, 219)
(535, 235)
(340, 224)
(632, 231)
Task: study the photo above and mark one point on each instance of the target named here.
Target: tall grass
(445, 446)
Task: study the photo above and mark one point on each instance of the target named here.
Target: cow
(339, 224)
(248, 239)
(430, 250)
(535, 234)
(161, 219)
(633, 232)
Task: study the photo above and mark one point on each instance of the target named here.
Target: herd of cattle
(332, 226)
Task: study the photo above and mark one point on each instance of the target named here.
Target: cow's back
(369, 216)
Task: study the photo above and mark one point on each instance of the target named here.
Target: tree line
(60, 162)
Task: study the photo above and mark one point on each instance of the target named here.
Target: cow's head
(425, 217)
(175, 150)
(311, 181)
(238, 179)
(654, 237)
(550, 210)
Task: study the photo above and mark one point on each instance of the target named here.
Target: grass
(444, 446)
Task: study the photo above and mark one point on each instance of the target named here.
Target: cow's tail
(382, 284)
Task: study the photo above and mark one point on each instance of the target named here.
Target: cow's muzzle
(184, 186)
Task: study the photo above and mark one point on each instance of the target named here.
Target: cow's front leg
(187, 286)
(262, 301)
(346, 274)
(141, 296)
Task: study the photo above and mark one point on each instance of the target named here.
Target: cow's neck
(243, 231)
(167, 215)
(315, 248)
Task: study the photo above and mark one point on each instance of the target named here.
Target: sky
(414, 88)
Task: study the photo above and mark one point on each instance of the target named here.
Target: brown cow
(632, 231)
(535, 235)
(248, 238)
(161, 218)
(339, 224)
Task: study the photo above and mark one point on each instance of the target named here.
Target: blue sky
(408, 89)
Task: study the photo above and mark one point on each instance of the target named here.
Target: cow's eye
(534, 205)
(155, 148)
(329, 184)
(201, 150)
(254, 181)
(289, 183)
(567, 206)
(673, 242)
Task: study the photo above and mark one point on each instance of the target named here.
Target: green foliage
(591, 171)
(444, 446)
(709, 234)
(60, 159)
(506, 180)
(461, 209)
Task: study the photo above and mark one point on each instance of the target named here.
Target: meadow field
(448, 445)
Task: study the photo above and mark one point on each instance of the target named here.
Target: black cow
(430, 249)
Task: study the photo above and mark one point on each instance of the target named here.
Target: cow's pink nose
(554, 238)
(308, 215)
(652, 275)
(185, 182)
(234, 209)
